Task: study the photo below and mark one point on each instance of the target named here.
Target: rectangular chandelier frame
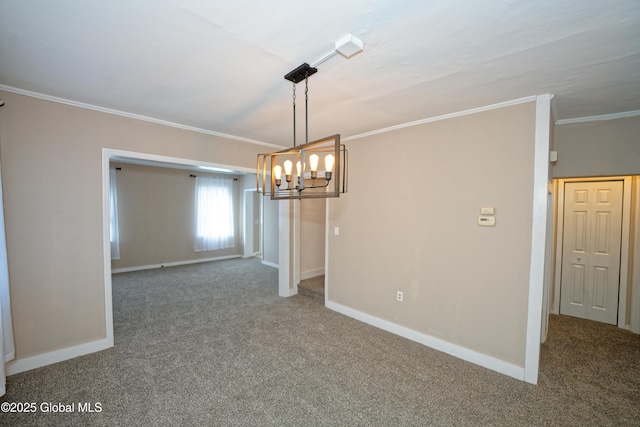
(304, 184)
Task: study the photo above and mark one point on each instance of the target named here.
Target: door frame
(624, 244)
(107, 155)
(248, 222)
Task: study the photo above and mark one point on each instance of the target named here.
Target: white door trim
(635, 243)
(247, 233)
(107, 154)
(543, 129)
(289, 247)
(624, 246)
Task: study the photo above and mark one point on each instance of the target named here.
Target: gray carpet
(313, 288)
(213, 344)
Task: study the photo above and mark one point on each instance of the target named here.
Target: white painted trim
(252, 141)
(538, 238)
(296, 254)
(559, 245)
(112, 152)
(548, 263)
(442, 117)
(309, 274)
(247, 237)
(270, 264)
(132, 116)
(345, 139)
(106, 248)
(436, 343)
(555, 223)
(288, 247)
(290, 292)
(40, 360)
(598, 118)
(634, 324)
(285, 248)
(326, 251)
(624, 254)
(554, 110)
(172, 264)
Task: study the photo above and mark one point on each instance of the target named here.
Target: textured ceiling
(219, 65)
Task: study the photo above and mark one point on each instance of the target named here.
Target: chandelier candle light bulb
(300, 168)
(277, 171)
(329, 160)
(288, 166)
(313, 163)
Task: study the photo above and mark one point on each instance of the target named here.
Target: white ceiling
(219, 65)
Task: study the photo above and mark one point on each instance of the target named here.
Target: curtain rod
(195, 176)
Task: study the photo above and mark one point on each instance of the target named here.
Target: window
(113, 211)
(214, 213)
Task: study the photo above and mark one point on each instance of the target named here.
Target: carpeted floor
(213, 344)
(313, 288)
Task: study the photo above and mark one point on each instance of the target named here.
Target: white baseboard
(291, 292)
(304, 275)
(446, 347)
(270, 264)
(172, 264)
(255, 254)
(33, 362)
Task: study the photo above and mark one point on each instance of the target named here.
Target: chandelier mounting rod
(297, 75)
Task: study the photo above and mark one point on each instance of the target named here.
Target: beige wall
(313, 215)
(270, 233)
(414, 231)
(156, 216)
(599, 148)
(409, 223)
(52, 178)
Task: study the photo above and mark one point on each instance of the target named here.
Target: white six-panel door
(591, 250)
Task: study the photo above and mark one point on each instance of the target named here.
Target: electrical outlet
(399, 296)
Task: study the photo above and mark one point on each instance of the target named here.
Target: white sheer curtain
(113, 209)
(214, 213)
(7, 349)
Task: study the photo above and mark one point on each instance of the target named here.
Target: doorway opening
(252, 222)
(596, 232)
(109, 155)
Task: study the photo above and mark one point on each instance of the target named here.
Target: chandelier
(320, 166)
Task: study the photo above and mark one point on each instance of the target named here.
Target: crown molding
(444, 117)
(132, 116)
(598, 118)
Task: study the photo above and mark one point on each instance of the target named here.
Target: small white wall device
(487, 221)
